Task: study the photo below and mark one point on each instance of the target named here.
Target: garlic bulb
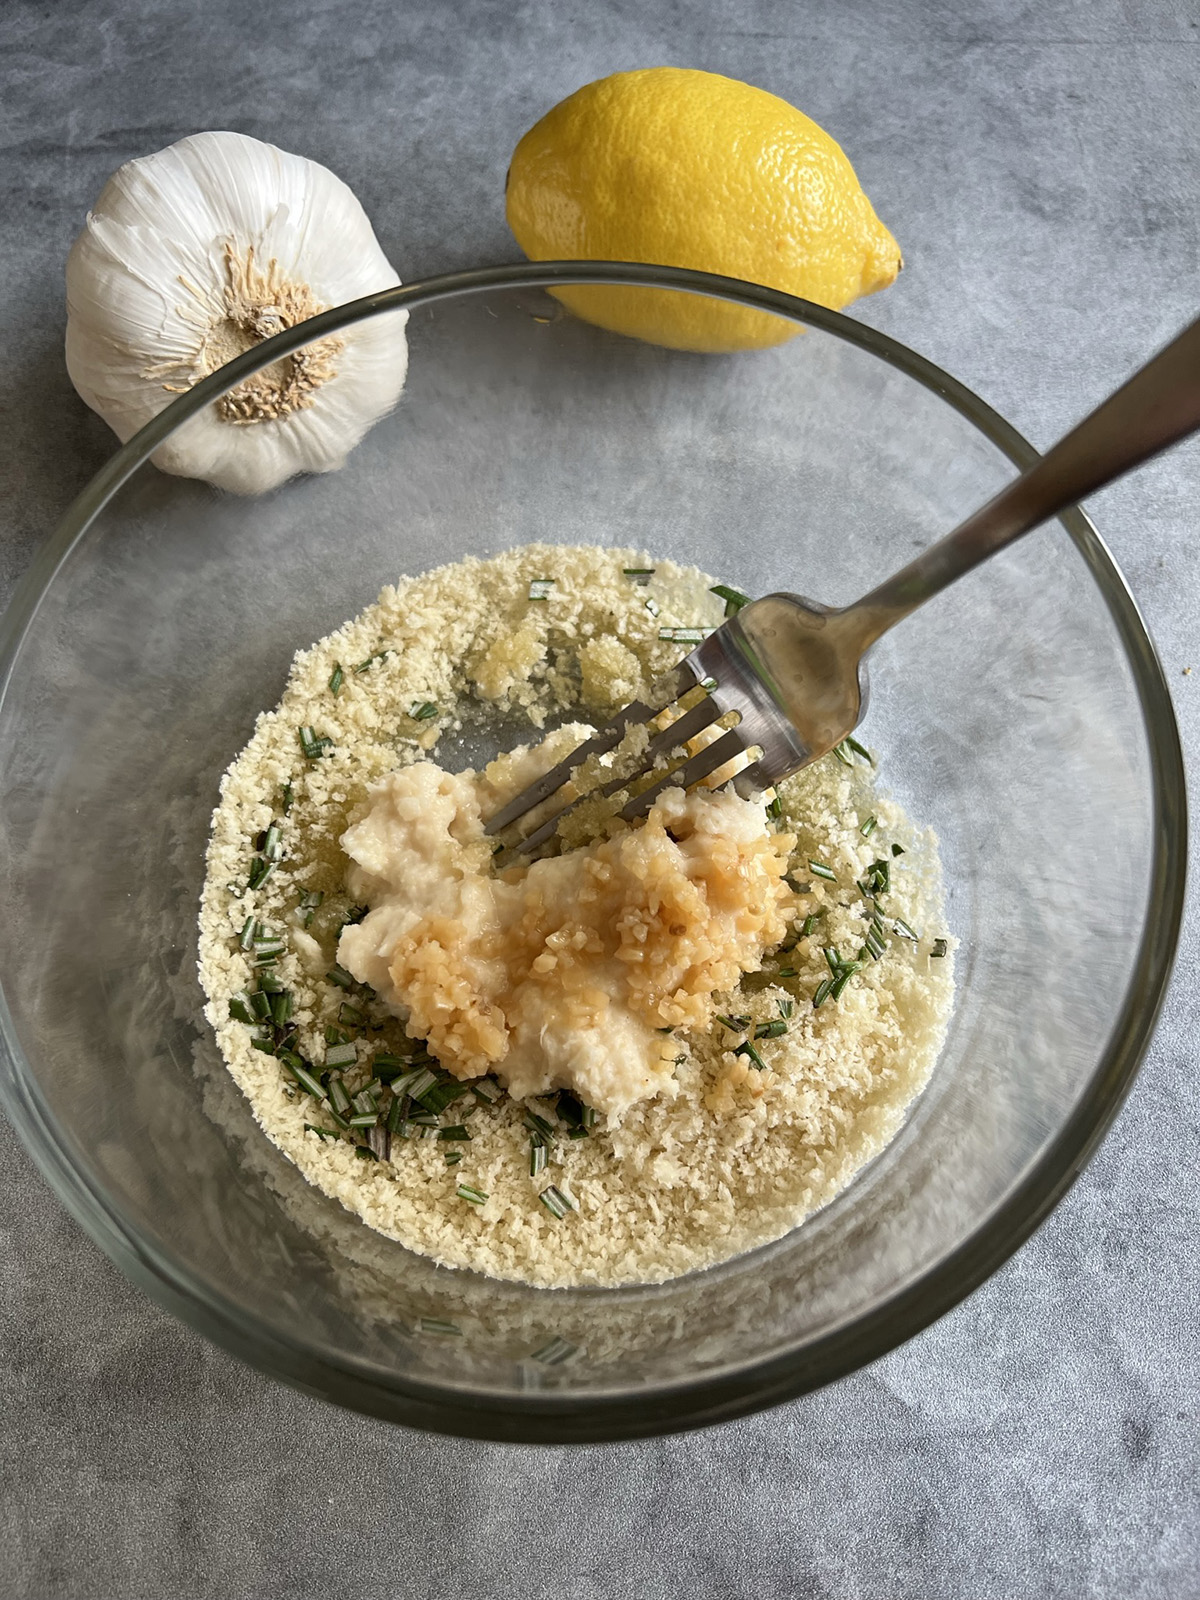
(199, 252)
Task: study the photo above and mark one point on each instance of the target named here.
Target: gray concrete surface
(1041, 164)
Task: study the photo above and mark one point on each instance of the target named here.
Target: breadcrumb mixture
(765, 1116)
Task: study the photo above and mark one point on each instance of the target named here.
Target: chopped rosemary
(868, 827)
(809, 923)
(787, 972)
(395, 1116)
(310, 899)
(833, 959)
(438, 1325)
(570, 1109)
(786, 1007)
(441, 1095)
(734, 598)
(260, 871)
(747, 1049)
(423, 710)
(415, 1083)
(341, 1055)
(539, 588)
(308, 1083)
(265, 1045)
(877, 879)
(940, 948)
(281, 1007)
(365, 1151)
(843, 978)
(336, 679)
(350, 1016)
(539, 1125)
(365, 666)
(685, 635)
(321, 1133)
(286, 795)
(823, 988)
(775, 808)
(364, 1119)
(897, 849)
(848, 748)
(487, 1090)
(556, 1202)
(386, 1067)
(335, 1116)
(903, 929)
(452, 1157)
(537, 1157)
(239, 1007)
(314, 745)
(455, 1135)
(771, 1030)
(820, 870)
(554, 1353)
(475, 1196)
(364, 1102)
(338, 1098)
(246, 937)
(652, 605)
(640, 575)
(261, 1004)
(339, 975)
(734, 1024)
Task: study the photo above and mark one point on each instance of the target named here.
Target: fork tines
(663, 693)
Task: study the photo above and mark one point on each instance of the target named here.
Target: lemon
(691, 169)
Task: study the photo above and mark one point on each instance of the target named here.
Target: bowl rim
(548, 1418)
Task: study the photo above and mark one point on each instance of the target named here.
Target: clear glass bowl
(1023, 714)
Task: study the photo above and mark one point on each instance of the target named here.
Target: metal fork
(794, 671)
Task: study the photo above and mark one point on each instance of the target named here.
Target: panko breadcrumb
(733, 1153)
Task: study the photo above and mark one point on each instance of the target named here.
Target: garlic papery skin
(194, 255)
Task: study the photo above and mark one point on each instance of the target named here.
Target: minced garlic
(567, 973)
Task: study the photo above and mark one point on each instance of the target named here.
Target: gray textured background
(1040, 164)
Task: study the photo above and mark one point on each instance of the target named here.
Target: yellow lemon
(690, 169)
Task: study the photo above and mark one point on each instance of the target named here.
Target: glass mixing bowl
(1023, 714)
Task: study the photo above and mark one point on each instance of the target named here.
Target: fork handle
(1156, 408)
